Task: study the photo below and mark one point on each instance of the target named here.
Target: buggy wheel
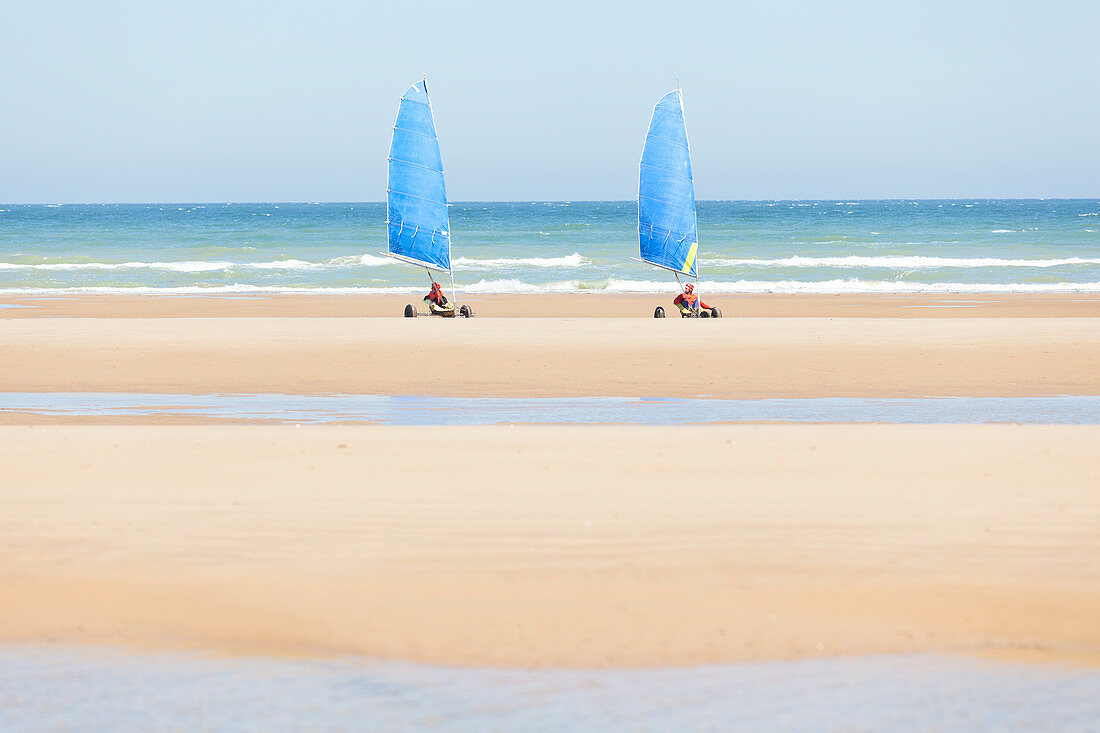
(715, 312)
(704, 314)
(659, 312)
(410, 311)
(465, 311)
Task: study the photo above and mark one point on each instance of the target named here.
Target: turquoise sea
(985, 246)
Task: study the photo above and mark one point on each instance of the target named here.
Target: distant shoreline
(558, 201)
(565, 345)
(589, 304)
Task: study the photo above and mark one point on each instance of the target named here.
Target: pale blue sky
(271, 101)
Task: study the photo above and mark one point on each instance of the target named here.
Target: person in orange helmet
(688, 302)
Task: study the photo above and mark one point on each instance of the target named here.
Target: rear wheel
(715, 312)
(659, 312)
(465, 311)
(410, 311)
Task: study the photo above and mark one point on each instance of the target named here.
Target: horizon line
(557, 201)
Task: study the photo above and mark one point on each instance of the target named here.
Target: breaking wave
(899, 262)
(574, 260)
(366, 260)
(204, 266)
(613, 285)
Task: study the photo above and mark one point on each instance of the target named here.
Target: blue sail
(418, 227)
(666, 192)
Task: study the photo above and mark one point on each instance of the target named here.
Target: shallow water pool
(428, 410)
(62, 688)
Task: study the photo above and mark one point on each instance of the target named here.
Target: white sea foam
(1002, 231)
(234, 289)
(506, 286)
(853, 285)
(900, 262)
(361, 260)
(183, 266)
(513, 285)
(573, 260)
(204, 266)
(281, 265)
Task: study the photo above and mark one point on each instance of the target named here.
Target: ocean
(830, 246)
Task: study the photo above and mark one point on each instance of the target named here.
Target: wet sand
(556, 357)
(565, 305)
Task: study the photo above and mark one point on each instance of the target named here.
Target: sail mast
(694, 213)
(450, 270)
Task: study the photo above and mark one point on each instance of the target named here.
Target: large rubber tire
(465, 311)
(410, 311)
(659, 312)
(715, 312)
(704, 314)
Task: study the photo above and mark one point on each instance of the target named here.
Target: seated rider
(436, 300)
(688, 302)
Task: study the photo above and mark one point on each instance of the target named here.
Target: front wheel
(410, 311)
(704, 314)
(659, 312)
(465, 312)
(715, 312)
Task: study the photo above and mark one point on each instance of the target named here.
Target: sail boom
(414, 261)
(664, 267)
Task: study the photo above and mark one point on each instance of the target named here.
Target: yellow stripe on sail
(690, 258)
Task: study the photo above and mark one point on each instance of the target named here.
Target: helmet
(435, 285)
(689, 288)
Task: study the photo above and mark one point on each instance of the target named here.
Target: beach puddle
(428, 410)
(63, 688)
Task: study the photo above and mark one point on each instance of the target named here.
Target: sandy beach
(1050, 346)
(555, 546)
(595, 304)
(249, 482)
(577, 546)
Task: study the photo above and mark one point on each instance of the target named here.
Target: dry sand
(556, 546)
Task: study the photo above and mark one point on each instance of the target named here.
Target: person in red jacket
(437, 301)
(688, 302)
